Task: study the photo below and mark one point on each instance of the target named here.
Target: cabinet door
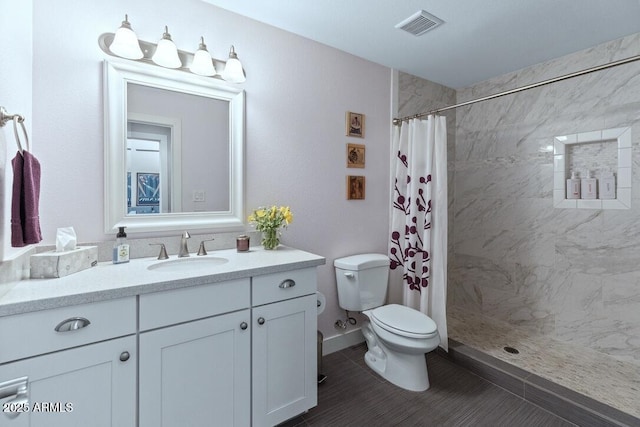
(85, 386)
(197, 373)
(284, 360)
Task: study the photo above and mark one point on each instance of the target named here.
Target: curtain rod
(523, 88)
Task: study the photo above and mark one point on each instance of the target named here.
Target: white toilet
(397, 336)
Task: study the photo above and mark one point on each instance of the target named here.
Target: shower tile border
(557, 399)
(574, 406)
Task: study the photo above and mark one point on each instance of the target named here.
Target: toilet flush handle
(349, 274)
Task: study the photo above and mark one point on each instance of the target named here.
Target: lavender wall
(16, 91)
(297, 94)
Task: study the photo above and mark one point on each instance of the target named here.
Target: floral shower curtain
(418, 245)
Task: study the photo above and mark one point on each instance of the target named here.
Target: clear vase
(270, 238)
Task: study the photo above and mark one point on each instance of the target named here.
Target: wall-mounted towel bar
(17, 118)
(6, 117)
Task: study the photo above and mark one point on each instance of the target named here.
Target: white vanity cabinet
(80, 376)
(234, 353)
(125, 346)
(197, 371)
(284, 366)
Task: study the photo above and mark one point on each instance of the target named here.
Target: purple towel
(25, 217)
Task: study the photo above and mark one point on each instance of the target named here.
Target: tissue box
(60, 264)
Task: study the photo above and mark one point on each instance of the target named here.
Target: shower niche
(594, 153)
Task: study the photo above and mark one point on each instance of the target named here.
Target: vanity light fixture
(233, 71)
(125, 42)
(202, 62)
(166, 54)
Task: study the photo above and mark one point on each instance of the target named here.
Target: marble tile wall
(592, 158)
(568, 274)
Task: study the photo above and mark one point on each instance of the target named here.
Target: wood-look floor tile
(353, 395)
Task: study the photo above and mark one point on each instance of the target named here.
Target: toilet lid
(403, 320)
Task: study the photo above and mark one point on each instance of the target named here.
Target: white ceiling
(480, 39)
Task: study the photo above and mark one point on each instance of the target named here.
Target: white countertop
(108, 281)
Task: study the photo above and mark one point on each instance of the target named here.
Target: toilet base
(407, 371)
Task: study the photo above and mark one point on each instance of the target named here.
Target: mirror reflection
(164, 129)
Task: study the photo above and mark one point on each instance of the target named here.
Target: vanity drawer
(32, 334)
(182, 305)
(281, 286)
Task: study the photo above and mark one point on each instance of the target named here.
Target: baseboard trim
(342, 341)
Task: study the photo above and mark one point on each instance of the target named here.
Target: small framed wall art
(355, 155)
(355, 124)
(355, 187)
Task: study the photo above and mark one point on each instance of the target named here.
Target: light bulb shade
(166, 54)
(125, 43)
(233, 71)
(202, 63)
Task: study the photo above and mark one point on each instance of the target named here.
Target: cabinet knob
(124, 356)
(260, 320)
(243, 325)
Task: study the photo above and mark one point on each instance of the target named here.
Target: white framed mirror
(174, 150)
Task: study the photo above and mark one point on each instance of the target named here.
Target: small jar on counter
(242, 243)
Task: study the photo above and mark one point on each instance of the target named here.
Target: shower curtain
(418, 244)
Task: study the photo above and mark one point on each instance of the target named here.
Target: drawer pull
(288, 283)
(19, 389)
(72, 324)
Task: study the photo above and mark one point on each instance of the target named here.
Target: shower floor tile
(590, 373)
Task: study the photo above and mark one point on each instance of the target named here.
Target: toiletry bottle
(121, 247)
(607, 185)
(573, 187)
(589, 187)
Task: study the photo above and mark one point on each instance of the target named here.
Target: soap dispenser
(607, 185)
(573, 187)
(589, 187)
(121, 247)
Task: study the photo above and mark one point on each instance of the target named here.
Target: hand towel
(25, 216)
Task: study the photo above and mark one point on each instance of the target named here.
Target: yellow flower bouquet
(269, 220)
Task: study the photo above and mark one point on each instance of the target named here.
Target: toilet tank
(362, 281)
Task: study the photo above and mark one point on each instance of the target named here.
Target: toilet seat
(404, 321)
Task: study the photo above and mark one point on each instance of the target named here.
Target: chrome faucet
(184, 250)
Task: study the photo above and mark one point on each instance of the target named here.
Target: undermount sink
(187, 264)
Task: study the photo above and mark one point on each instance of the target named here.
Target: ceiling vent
(419, 23)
